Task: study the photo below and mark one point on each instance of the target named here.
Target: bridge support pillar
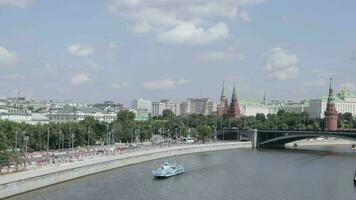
(254, 139)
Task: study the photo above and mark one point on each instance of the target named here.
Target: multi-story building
(39, 119)
(141, 114)
(157, 108)
(76, 114)
(344, 101)
(15, 115)
(172, 106)
(166, 104)
(251, 108)
(295, 107)
(141, 104)
(205, 106)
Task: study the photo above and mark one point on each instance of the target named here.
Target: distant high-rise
(142, 104)
(223, 105)
(331, 113)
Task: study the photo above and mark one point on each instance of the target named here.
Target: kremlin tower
(223, 105)
(224, 109)
(331, 113)
(234, 108)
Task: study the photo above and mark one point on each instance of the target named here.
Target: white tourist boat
(167, 170)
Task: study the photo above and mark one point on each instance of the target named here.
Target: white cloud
(191, 34)
(181, 21)
(95, 66)
(119, 85)
(281, 65)
(214, 9)
(113, 45)
(245, 16)
(15, 77)
(16, 3)
(7, 57)
(142, 27)
(227, 54)
(322, 73)
(80, 50)
(315, 83)
(165, 84)
(80, 79)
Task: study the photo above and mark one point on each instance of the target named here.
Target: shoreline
(325, 142)
(25, 181)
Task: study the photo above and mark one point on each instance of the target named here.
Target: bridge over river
(278, 138)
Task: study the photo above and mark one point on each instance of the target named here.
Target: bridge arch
(285, 138)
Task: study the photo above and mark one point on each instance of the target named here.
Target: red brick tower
(223, 105)
(331, 113)
(234, 108)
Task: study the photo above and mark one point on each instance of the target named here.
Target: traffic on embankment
(42, 176)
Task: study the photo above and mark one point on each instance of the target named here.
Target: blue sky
(124, 49)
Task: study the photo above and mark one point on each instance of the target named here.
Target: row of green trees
(126, 129)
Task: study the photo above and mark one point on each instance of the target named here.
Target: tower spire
(234, 97)
(264, 98)
(223, 91)
(330, 112)
(331, 92)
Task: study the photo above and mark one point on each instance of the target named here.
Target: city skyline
(172, 49)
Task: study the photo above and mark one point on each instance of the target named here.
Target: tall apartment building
(141, 104)
(166, 104)
(205, 106)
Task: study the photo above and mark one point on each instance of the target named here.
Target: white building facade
(204, 106)
(141, 104)
(166, 104)
(77, 114)
(16, 115)
(345, 102)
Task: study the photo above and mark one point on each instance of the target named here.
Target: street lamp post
(26, 138)
(72, 136)
(47, 140)
(15, 149)
(223, 134)
(59, 140)
(88, 136)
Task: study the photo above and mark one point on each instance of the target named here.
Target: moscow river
(321, 174)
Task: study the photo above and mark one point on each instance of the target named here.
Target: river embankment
(323, 142)
(16, 183)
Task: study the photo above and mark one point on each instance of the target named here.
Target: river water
(317, 174)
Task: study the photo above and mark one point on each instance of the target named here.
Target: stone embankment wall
(13, 184)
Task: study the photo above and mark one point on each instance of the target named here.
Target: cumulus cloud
(80, 79)
(191, 34)
(281, 65)
(183, 21)
(165, 84)
(80, 50)
(15, 77)
(95, 66)
(7, 57)
(16, 3)
(119, 85)
(227, 54)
